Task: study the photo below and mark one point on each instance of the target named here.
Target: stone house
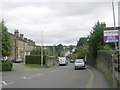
(21, 46)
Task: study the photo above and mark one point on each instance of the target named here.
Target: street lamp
(41, 48)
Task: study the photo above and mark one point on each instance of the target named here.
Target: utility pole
(114, 22)
(1, 42)
(41, 48)
(118, 34)
(53, 50)
(119, 37)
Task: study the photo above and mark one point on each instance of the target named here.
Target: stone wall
(51, 60)
(105, 63)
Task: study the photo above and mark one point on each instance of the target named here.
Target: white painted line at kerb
(90, 80)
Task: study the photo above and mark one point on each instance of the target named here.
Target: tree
(6, 40)
(80, 52)
(96, 39)
(59, 49)
(81, 41)
(36, 51)
(71, 47)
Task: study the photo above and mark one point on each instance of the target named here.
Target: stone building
(21, 46)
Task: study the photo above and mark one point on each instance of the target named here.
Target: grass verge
(36, 66)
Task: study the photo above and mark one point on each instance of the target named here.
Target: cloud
(62, 22)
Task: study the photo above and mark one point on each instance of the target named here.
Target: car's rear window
(79, 61)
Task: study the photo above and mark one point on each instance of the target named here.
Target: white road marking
(36, 75)
(27, 70)
(23, 77)
(10, 83)
(29, 77)
(4, 83)
(52, 71)
(90, 80)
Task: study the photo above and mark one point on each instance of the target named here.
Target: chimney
(21, 36)
(16, 33)
(26, 40)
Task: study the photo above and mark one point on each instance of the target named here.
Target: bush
(107, 47)
(6, 66)
(34, 59)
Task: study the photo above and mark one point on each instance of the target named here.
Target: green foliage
(80, 52)
(6, 40)
(6, 66)
(107, 47)
(50, 53)
(82, 41)
(96, 39)
(36, 51)
(71, 47)
(36, 59)
(59, 49)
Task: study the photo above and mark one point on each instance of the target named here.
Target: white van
(62, 61)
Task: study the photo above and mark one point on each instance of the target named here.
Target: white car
(18, 60)
(79, 63)
(71, 61)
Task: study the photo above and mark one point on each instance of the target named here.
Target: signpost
(111, 36)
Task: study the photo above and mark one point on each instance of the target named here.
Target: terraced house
(21, 46)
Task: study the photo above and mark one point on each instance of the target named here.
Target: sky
(62, 22)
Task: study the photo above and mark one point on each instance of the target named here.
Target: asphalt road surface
(53, 77)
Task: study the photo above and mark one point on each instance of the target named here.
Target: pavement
(117, 76)
(53, 77)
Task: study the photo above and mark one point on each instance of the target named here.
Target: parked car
(71, 61)
(79, 64)
(18, 60)
(10, 59)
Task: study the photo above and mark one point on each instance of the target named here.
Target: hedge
(6, 66)
(34, 59)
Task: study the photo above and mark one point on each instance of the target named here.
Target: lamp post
(41, 48)
(54, 50)
(15, 48)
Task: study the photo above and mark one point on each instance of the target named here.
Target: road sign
(111, 36)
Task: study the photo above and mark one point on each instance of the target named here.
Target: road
(53, 77)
